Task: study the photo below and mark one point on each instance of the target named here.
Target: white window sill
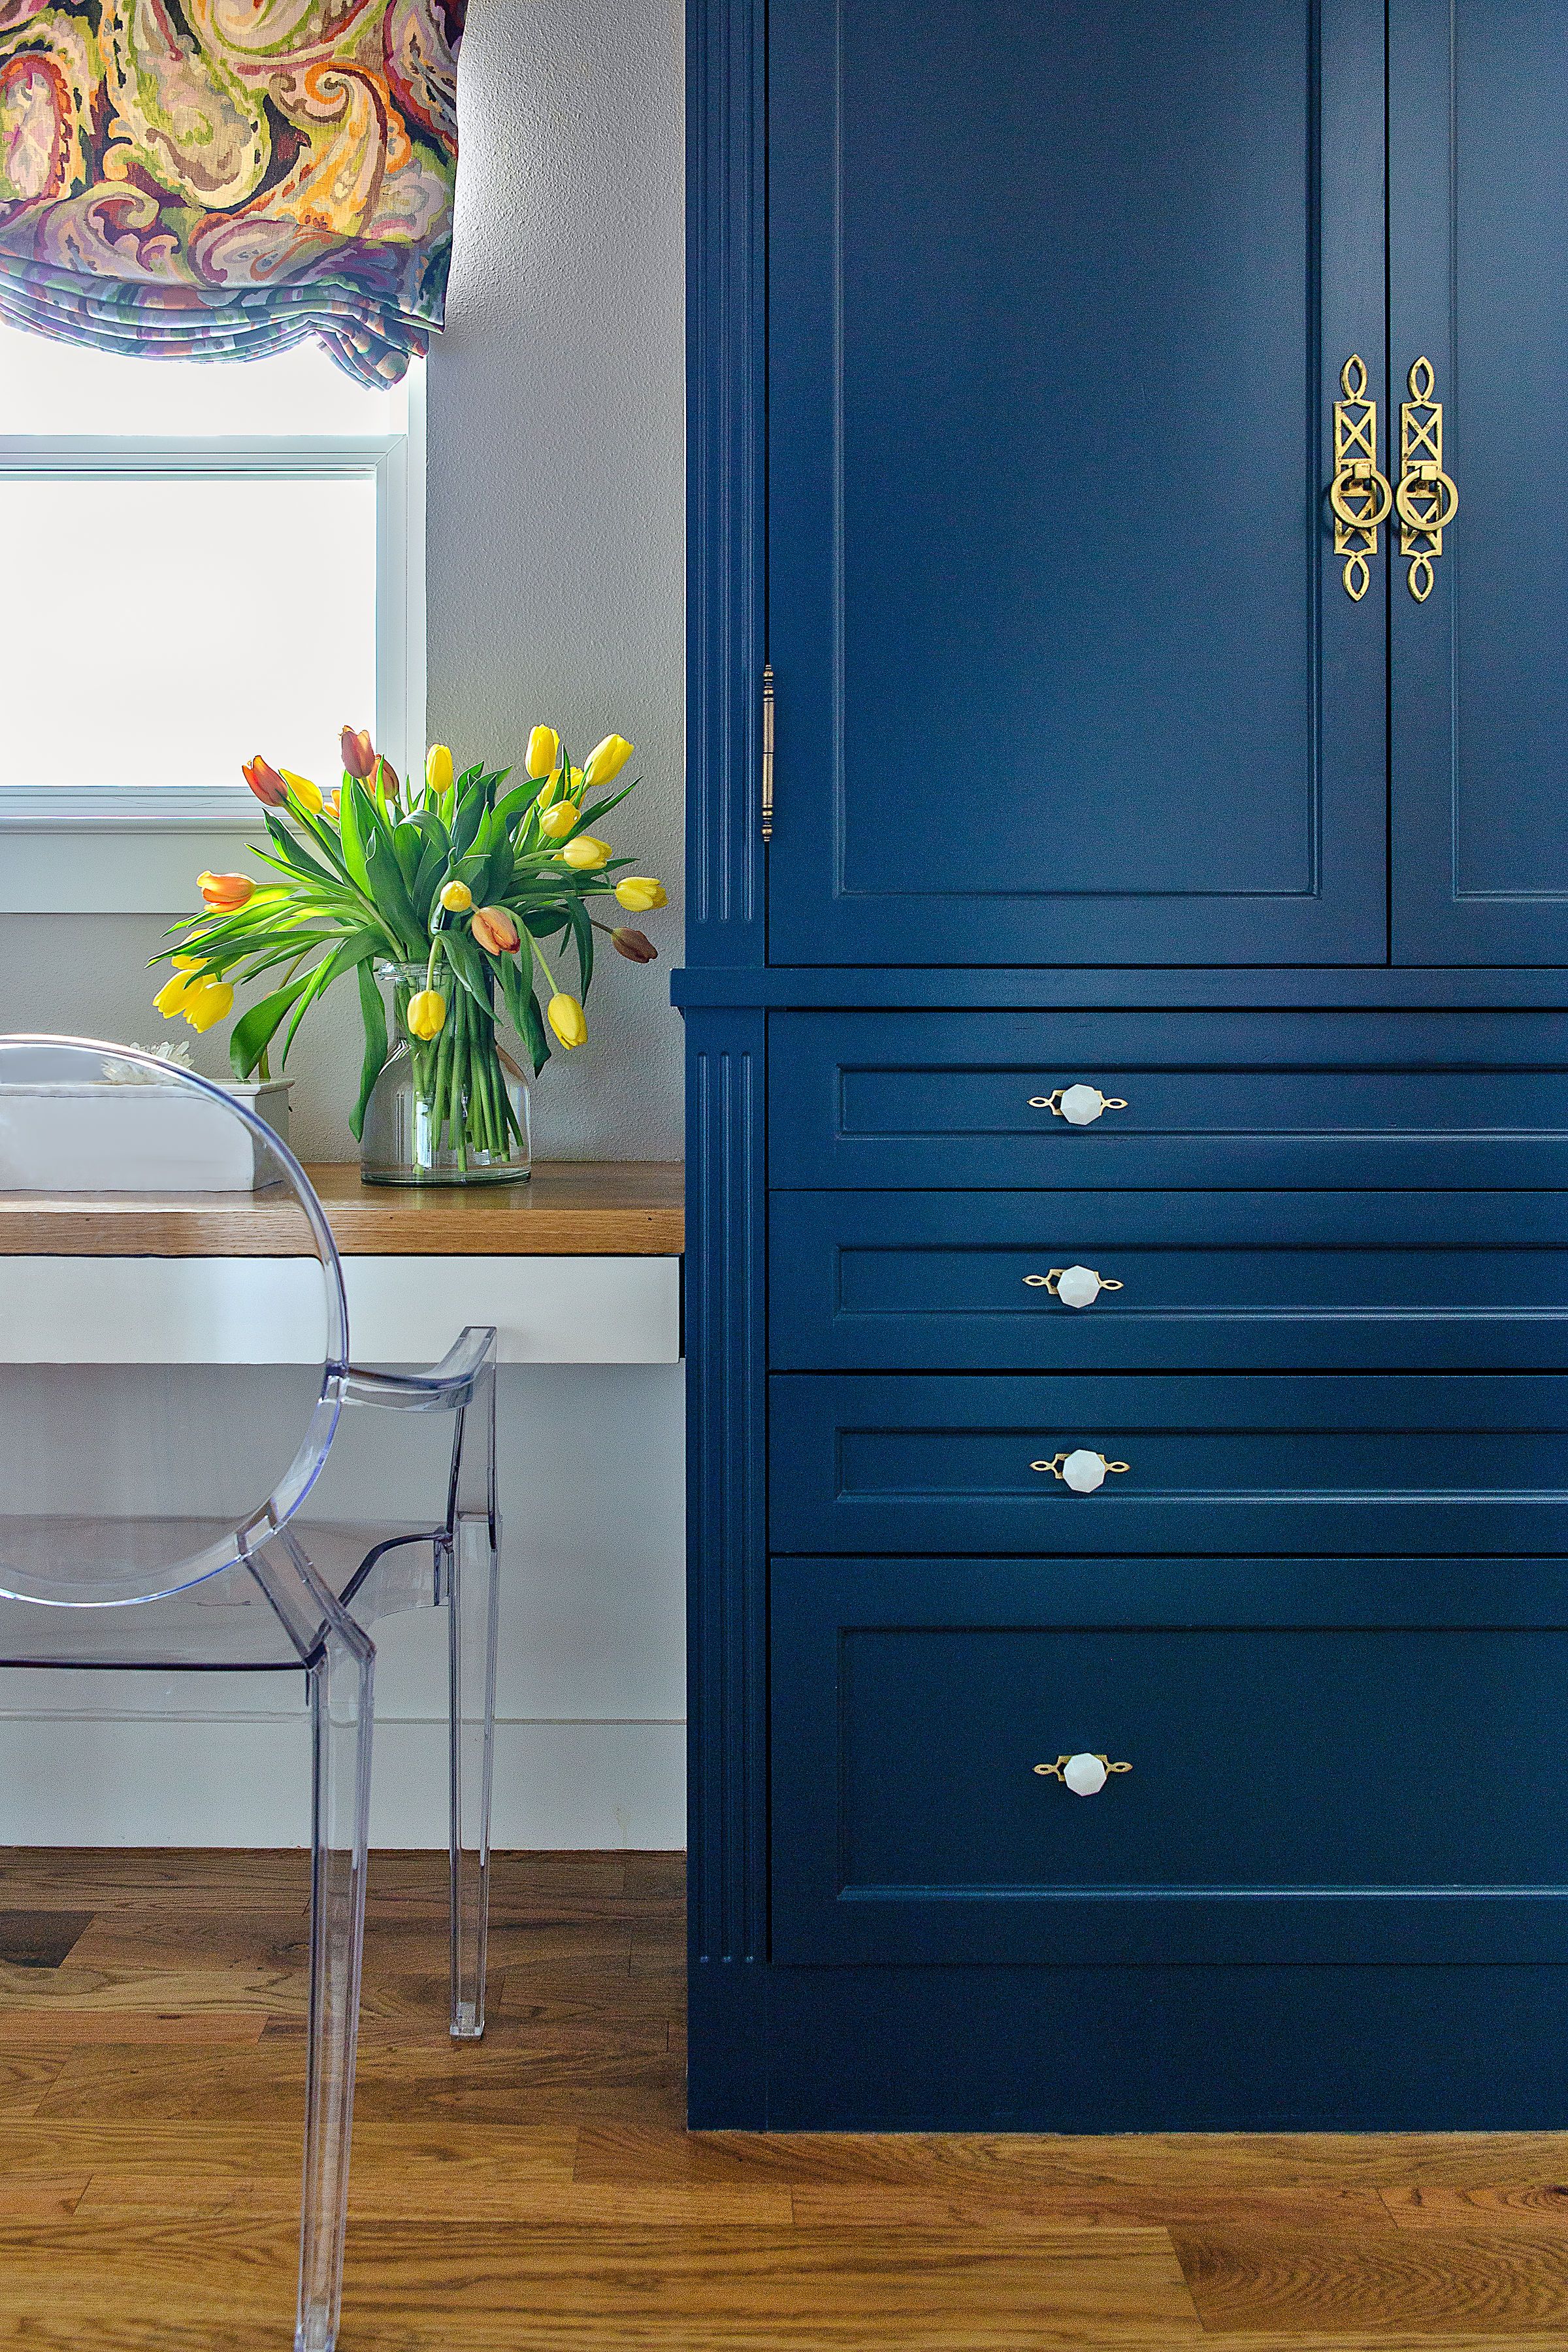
(117, 850)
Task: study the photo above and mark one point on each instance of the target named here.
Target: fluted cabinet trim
(726, 1306)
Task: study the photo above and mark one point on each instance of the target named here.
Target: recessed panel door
(1060, 299)
(1478, 275)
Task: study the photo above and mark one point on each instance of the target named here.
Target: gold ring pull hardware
(1080, 1106)
(1427, 501)
(1075, 1286)
(1081, 1471)
(1085, 1774)
(1359, 495)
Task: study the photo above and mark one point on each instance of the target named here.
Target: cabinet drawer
(1448, 1102)
(1219, 1463)
(1229, 1281)
(1334, 1777)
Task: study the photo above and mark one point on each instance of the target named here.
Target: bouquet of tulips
(453, 891)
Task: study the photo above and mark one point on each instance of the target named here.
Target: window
(200, 562)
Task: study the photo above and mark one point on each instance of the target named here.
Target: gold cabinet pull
(1075, 1286)
(1359, 496)
(1081, 1471)
(1426, 500)
(1085, 1774)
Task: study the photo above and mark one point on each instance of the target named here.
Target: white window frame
(133, 848)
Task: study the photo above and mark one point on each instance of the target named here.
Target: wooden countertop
(603, 1208)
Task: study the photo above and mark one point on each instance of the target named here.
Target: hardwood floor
(538, 2193)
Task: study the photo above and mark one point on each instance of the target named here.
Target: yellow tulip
(638, 892)
(303, 790)
(172, 994)
(206, 1001)
(587, 854)
(567, 1019)
(456, 897)
(427, 1014)
(557, 822)
(544, 751)
(606, 760)
(561, 784)
(438, 768)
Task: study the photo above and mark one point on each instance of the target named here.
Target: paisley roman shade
(215, 179)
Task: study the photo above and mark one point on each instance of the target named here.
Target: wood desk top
(603, 1208)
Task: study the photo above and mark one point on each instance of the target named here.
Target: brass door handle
(1359, 496)
(1085, 1774)
(1426, 500)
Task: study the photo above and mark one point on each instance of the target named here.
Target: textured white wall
(556, 470)
(554, 574)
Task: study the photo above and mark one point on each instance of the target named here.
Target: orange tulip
(389, 782)
(265, 782)
(359, 759)
(227, 892)
(495, 930)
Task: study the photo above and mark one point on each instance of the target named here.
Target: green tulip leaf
(254, 1031)
(469, 965)
(373, 1013)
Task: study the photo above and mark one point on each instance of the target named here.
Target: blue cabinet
(1128, 1102)
(1059, 301)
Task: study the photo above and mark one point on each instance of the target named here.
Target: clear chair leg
(340, 1720)
(472, 1640)
(473, 1596)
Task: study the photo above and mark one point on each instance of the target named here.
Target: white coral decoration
(176, 1051)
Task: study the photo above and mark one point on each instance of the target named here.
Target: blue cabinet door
(1478, 278)
(1058, 303)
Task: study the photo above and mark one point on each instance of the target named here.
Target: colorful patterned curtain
(216, 179)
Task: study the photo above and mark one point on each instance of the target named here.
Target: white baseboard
(244, 1781)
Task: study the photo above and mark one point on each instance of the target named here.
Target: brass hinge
(767, 751)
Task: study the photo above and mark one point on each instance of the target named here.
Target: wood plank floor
(538, 2193)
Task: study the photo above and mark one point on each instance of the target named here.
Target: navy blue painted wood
(726, 1595)
(725, 473)
(1235, 1281)
(1441, 1101)
(1043, 476)
(1048, 988)
(1478, 284)
(1095, 2049)
(1065, 669)
(1217, 1462)
(1302, 1787)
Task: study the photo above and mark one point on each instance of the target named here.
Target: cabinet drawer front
(1223, 1462)
(1229, 1281)
(1327, 1788)
(1446, 1102)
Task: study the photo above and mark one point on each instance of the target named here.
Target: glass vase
(447, 1109)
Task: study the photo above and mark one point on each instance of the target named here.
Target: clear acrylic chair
(150, 1524)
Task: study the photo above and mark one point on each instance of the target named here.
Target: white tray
(77, 1137)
